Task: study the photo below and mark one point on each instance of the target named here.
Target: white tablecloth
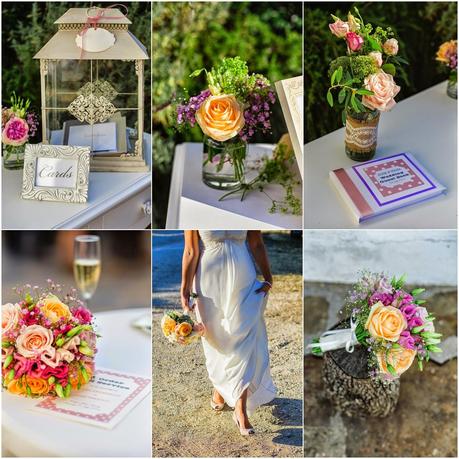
(121, 347)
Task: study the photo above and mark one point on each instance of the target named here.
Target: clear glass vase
(13, 157)
(361, 135)
(223, 166)
(451, 89)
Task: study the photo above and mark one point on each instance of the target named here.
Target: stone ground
(425, 420)
(183, 423)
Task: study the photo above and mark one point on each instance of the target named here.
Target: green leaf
(420, 365)
(374, 44)
(197, 72)
(330, 98)
(431, 335)
(389, 68)
(343, 117)
(59, 390)
(359, 104)
(333, 77)
(433, 348)
(391, 369)
(353, 103)
(416, 330)
(396, 346)
(364, 92)
(433, 341)
(339, 74)
(417, 291)
(342, 96)
(420, 302)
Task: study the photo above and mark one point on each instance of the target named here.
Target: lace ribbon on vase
(361, 136)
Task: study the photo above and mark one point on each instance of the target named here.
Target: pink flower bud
(354, 41)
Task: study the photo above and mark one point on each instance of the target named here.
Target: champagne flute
(87, 264)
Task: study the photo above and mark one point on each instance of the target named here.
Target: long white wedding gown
(235, 344)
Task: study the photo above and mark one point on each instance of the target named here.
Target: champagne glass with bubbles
(87, 264)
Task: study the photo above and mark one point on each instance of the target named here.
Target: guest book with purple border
(382, 185)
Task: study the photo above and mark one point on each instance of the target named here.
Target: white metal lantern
(87, 94)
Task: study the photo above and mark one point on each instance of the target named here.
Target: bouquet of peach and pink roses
(48, 342)
(181, 328)
(363, 79)
(391, 323)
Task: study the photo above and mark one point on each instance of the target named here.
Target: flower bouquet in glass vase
(362, 81)
(19, 125)
(447, 55)
(234, 106)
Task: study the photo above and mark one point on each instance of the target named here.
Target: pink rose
(391, 47)
(11, 313)
(377, 56)
(339, 28)
(354, 41)
(384, 90)
(34, 340)
(15, 132)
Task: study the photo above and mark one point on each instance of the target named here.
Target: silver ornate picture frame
(44, 181)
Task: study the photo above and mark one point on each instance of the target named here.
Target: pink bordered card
(105, 401)
(382, 185)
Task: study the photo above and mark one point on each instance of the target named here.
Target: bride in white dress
(231, 303)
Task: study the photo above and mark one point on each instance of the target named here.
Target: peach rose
(400, 359)
(11, 313)
(391, 46)
(339, 28)
(38, 386)
(54, 358)
(384, 90)
(377, 56)
(54, 309)
(16, 387)
(168, 325)
(183, 329)
(220, 117)
(385, 322)
(34, 340)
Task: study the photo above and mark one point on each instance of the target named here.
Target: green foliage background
(189, 36)
(420, 28)
(27, 26)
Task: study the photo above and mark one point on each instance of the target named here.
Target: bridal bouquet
(180, 328)
(19, 125)
(48, 343)
(362, 81)
(390, 322)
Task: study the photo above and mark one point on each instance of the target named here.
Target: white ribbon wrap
(337, 339)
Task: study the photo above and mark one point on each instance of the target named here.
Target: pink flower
(406, 340)
(339, 28)
(422, 313)
(354, 41)
(54, 358)
(15, 132)
(415, 322)
(377, 56)
(408, 311)
(384, 90)
(82, 315)
(11, 313)
(390, 47)
(34, 340)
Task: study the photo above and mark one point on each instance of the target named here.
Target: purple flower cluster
(258, 112)
(32, 121)
(186, 113)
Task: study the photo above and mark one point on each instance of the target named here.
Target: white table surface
(424, 125)
(192, 204)
(106, 190)
(121, 347)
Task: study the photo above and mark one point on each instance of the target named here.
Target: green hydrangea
(363, 66)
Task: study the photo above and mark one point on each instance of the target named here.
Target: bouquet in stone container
(48, 343)
(391, 323)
